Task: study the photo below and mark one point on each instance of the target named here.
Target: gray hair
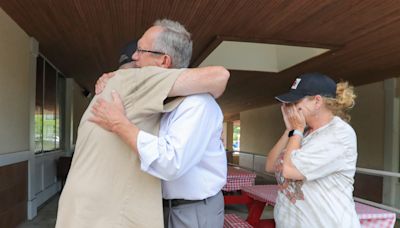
(174, 41)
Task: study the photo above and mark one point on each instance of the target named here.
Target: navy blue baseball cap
(309, 84)
(127, 52)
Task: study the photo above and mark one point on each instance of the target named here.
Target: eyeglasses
(139, 50)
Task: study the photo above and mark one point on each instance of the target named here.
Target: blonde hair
(344, 101)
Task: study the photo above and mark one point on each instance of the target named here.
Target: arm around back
(211, 80)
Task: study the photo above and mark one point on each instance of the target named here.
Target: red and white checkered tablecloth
(233, 221)
(238, 178)
(370, 217)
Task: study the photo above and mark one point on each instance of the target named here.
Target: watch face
(291, 133)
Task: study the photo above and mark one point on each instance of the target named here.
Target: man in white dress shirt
(188, 155)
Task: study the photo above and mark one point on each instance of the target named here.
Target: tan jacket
(105, 186)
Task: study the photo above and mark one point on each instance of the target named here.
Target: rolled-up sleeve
(147, 142)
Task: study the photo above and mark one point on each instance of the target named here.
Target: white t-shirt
(327, 158)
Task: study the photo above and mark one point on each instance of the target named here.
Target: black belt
(177, 202)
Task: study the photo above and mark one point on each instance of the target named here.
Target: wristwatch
(295, 132)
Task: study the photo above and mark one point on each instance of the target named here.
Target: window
(50, 94)
(39, 106)
(236, 136)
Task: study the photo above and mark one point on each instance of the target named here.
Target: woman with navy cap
(315, 159)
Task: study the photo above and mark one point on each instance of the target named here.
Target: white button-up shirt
(188, 155)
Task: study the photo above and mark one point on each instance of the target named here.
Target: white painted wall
(242, 56)
(368, 122)
(251, 56)
(288, 56)
(260, 128)
(14, 86)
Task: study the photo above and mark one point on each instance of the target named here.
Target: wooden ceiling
(83, 37)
